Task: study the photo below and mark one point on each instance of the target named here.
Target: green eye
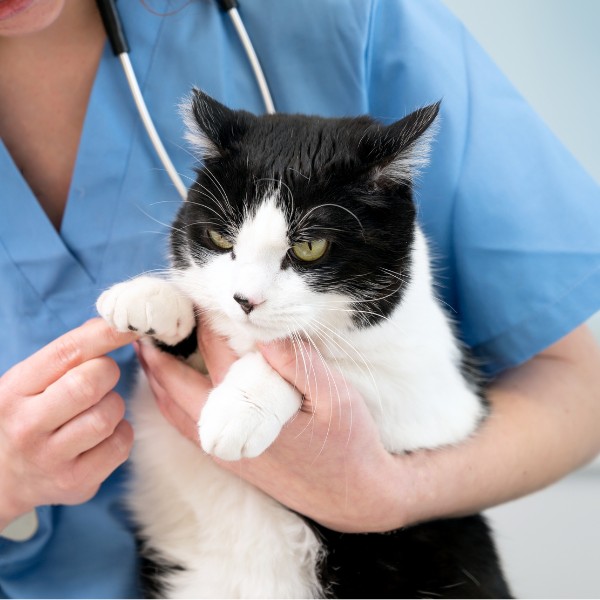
(310, 251)
(219, 241)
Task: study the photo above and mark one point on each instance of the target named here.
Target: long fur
(366, 306)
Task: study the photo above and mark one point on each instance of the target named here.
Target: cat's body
(314, 236)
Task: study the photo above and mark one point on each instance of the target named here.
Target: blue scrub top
(512, 217)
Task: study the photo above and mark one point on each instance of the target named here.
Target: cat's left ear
(212, 128)
(398, 152)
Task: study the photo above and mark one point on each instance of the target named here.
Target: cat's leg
(151, 306)
(245, 413)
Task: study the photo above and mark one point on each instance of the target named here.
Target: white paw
(149, 305)
(232, 426)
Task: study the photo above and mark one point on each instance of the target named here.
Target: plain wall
(550, 49)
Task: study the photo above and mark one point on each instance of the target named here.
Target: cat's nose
(246, 304)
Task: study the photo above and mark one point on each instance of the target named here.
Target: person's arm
(328, 463)
(62, 427)
(545, 423)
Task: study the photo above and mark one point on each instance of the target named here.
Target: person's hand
(328, 463)
(62, 428)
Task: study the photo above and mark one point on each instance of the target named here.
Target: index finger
(216, 352)
(90, 340)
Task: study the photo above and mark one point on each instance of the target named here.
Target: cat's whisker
(187, 151)
(222, 217)
(315, 398)
(330, 375)
(314, 208)
(220, 186)
(307, 177)
(330, 379)
(201, 190)
(320, 229)
(329, 333)
(168, 226)
(279, 182)
(193, 223)
(311, 421)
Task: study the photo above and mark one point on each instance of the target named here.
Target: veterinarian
(84, 203)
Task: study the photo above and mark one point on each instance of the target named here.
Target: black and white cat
(300, 226)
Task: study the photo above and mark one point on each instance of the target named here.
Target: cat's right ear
(212, 128)
(398, 152)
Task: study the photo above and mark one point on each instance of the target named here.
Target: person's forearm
(545, 422)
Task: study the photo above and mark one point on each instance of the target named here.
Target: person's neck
(45, 83)
(78, 19)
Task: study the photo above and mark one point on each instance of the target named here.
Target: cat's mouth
(266, 325)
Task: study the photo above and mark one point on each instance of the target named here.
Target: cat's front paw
(232, 426)
(149, 305)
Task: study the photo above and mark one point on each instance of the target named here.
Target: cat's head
(298, 223)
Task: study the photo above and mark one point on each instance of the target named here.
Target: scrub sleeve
(512, 217)
(513, 220)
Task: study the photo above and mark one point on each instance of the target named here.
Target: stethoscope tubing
(116, 35)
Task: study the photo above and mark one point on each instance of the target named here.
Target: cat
(299, 226)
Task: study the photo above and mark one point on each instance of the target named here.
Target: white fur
(200, 143)
(407, 165)
(233, 540)
(245, 413)
(148, 304)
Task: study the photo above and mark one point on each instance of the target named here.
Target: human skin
(49, 53)
(62, 427)
(23, 18)
(46, 74)
(545, 412)
(328, 462)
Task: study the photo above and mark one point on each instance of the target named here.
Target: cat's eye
(219, 240)
(310, 251)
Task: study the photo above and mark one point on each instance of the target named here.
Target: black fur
(335, 169)
(337, 181)
(183, 349)
(451, 558)
(152, 569)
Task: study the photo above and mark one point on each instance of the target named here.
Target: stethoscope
(116, 35)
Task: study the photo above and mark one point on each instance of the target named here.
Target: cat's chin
(243, 334)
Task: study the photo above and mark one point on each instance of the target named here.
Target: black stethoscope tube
(118, 41)
(113, 26)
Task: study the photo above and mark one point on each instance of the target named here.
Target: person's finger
(218, 356)
(76, 392)
(185, 386)
(172, 412)
(89, 428)
(304, 368)
(90, 340)
(97, 464)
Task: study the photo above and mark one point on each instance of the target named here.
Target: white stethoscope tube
(114, 29)
(159, 148)
(254, 62)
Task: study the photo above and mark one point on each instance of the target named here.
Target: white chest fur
(232, 540)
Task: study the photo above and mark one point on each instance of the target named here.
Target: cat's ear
(398, 152)
(212, 128)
